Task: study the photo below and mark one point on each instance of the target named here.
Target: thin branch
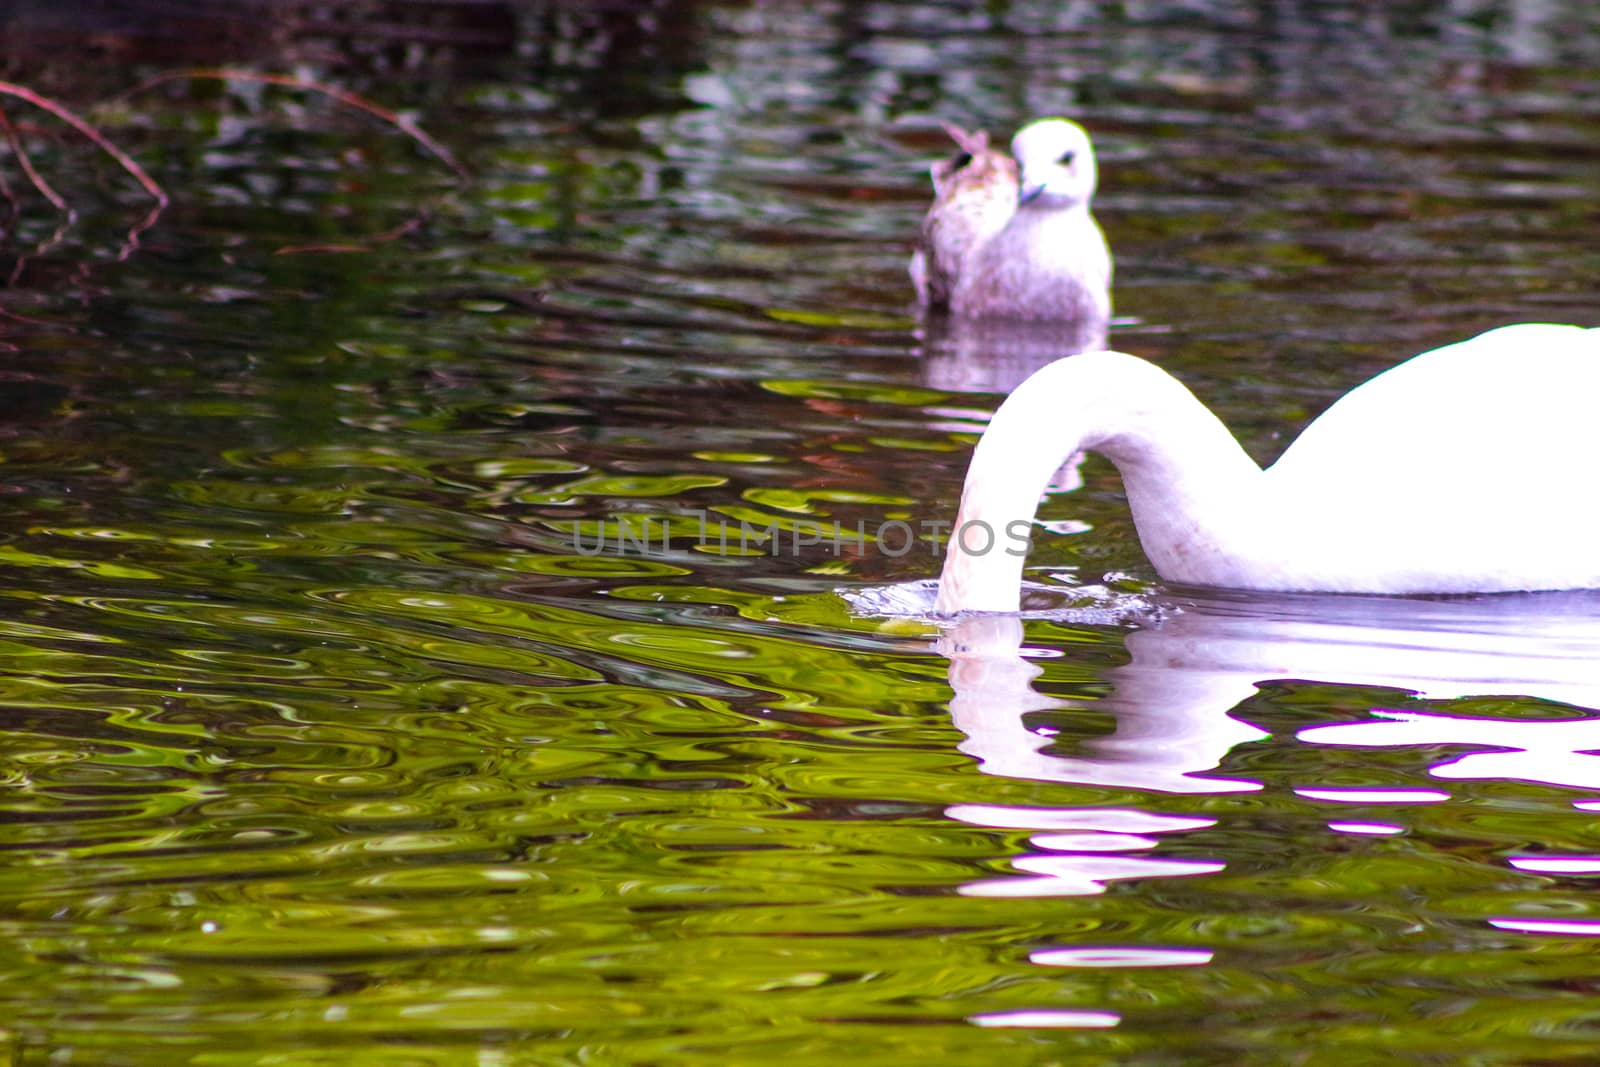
(62, 113)
(131, 245)
(26, 162)
(40, 249)
(10, 198)
(7, 313)
(344, 96)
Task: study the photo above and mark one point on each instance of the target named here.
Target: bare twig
(131, 245)
(344, 96)
(44, 246)
(7, 313)
(12, 209)
(26, 163)
(61, 112)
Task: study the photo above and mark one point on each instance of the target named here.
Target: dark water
(378, 685)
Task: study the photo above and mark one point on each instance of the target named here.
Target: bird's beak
(1029, 192)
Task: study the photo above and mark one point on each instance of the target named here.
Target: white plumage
(1029, 249)
(1469, 468)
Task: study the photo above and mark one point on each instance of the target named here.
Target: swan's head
(1057, 163)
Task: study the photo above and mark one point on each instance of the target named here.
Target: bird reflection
(1172, 724)
(984, 356)
(1174, 700)
(1176, 704)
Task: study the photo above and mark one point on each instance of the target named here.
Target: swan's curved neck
(1194, 493)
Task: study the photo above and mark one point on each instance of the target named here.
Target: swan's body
(1465, 469)
(1013, 239)
(1049, 262)
(974, 195)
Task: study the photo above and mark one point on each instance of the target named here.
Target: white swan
(1466, 469)
(1049, 262)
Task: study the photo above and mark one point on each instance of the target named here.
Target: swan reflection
(1175, 700)
(1176, 708)
(1161, 741)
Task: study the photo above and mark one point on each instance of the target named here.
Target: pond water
(381, 683)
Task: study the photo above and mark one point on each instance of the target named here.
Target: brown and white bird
(1017, 243)
(974, 196)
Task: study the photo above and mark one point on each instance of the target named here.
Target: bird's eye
(1066, 158)
(961, 160)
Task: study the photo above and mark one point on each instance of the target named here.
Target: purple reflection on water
(1121, 956)
(1557, 752)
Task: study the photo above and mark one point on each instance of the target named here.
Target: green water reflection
(374, 687)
